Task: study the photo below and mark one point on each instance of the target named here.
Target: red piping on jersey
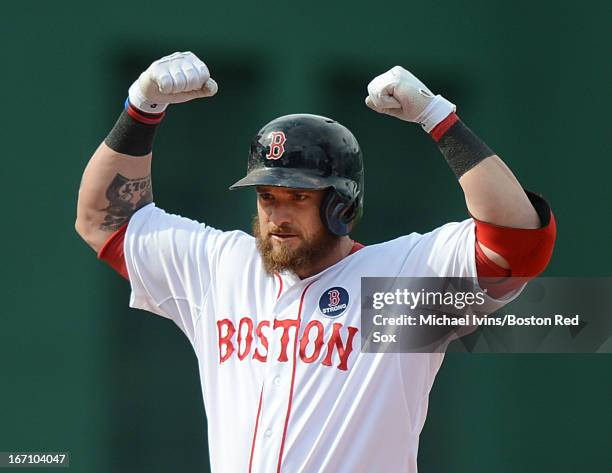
(255, 432)
(280, 290)
(297, 329)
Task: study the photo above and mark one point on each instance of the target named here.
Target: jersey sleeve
(169, 261)
(450, 251)
(446, 251)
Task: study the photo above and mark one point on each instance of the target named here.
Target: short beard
(276, 260)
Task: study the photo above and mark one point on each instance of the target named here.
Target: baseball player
(274, 318)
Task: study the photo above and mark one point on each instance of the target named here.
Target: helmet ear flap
(337, 213)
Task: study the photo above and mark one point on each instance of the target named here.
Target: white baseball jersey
(285, 387)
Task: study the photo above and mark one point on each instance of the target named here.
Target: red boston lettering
(318, 343)
(225, 340)
(343, 352)
(245, 321)
(311, 341)
(286, 324)
(264, 341)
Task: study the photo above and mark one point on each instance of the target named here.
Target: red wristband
(441, 128)
(143, 117)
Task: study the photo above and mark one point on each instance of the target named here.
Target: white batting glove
(400, 94)
(177, 78)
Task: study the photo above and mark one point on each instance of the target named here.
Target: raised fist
(400, 94)
(177, 78)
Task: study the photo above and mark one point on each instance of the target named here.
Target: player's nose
(281, 215)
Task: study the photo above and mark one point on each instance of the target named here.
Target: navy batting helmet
(310, 152)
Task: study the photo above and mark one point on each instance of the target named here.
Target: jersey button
(276, 380)
(268, 433)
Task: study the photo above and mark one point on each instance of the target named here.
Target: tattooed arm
(113, 187)
(115, 184)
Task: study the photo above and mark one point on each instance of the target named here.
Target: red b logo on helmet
(277, 148)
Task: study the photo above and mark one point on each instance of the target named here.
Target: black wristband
(462, 148)
(130, 136)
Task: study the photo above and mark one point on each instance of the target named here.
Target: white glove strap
(141, 103)
(438, 109)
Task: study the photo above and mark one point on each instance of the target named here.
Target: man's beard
(281, 258)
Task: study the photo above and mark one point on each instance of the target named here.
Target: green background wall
(118, 388)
